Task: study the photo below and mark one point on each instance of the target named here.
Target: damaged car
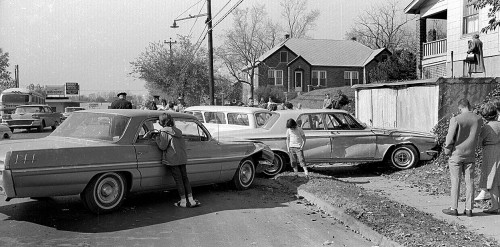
(103, 155)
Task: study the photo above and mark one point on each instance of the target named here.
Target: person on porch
(476, 65)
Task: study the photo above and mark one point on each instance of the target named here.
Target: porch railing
(437, 47)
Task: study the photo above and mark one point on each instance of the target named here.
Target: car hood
(22, 116)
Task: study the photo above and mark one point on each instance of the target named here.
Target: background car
(5, 132)
(336, 136)
(70, 109)
(32, 116)
(103, 155)
(226, 118)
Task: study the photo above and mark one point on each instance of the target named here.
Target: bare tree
(384, 26)
(252, 34)
(298, 19)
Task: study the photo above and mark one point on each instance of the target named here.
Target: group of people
(273, 106)
(338, 102)
(465, 132)
(123, 103)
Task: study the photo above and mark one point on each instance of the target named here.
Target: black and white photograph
(221, 123)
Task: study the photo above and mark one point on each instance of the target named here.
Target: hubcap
(402, 158)
(108, 190)
(245, 173)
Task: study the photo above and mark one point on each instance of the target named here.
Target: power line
(188, 9)
(196, 20)
(228, 12)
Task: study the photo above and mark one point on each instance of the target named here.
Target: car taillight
(35, 116)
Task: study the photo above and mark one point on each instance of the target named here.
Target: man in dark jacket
(121, 102)
(461, 142)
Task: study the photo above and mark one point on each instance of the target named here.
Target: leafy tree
(298, 19)
(181, 71)
(384, 26)
(401, 65)
(494, 8)
(6, 80)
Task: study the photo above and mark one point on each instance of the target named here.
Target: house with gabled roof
(301, 65)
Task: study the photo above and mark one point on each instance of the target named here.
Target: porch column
(421, 33)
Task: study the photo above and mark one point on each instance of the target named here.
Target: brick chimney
(287, 36)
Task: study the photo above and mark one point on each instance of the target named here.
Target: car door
(205, 155)
(49, 116)
(318, 143)
(153, 173)
(351, 141)
(202, 165)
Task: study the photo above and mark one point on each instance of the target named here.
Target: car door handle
(140, 153)
(334, 132)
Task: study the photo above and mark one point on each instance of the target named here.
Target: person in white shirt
(295, 141)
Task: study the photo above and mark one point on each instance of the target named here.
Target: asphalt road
(264, 215)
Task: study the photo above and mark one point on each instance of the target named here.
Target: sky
(92, 42)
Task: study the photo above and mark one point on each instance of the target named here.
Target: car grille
(19, 122)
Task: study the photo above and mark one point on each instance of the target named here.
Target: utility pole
(210, 52)
(208, 22)
(170, 43)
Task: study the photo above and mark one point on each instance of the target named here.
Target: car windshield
(93, 126)
(271, 121)
(28, 109)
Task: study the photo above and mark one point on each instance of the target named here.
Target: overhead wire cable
(188, 9)
(196, 20)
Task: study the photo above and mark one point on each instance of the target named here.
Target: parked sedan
(336, 136)
(103, 155)
(5, 132)
(32, 116)
(70, 109)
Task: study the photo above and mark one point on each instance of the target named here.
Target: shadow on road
(145, 209)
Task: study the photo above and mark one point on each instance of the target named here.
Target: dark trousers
(181, 180)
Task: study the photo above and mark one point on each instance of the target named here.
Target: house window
(278, 80)
(270, 73)
(284, 57)
(318, 78)
(471, 17)
(351, 77)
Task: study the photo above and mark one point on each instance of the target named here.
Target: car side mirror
(364, 125)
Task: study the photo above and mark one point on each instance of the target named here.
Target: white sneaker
(483, 195)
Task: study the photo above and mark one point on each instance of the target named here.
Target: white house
(445, 57)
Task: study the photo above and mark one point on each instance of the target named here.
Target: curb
(347, 220)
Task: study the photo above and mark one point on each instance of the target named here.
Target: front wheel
(276, 167)
(105, 193)
(245, 174)
(404, 157)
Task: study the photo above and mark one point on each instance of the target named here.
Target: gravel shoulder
(342, 187)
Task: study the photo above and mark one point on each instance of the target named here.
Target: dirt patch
(401, 223)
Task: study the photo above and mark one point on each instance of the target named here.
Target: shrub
(275, 92)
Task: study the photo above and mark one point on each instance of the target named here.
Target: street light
(210, 46)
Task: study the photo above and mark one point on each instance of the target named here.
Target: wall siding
(457, 41)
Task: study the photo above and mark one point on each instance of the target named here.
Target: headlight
(35, 116)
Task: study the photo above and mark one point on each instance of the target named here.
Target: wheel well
(387, 155)
(284, 155)
(126, 175)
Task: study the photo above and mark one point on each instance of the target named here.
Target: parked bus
(12, 97)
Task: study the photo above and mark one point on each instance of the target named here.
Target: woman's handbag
(470, 58)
